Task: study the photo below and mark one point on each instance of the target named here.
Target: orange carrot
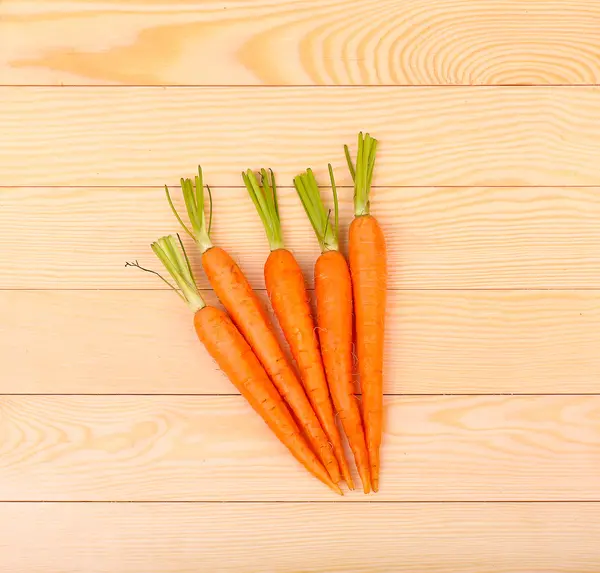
(334, 316)
(249, 315)
(235, 357)
(289, 299)
(368, 266)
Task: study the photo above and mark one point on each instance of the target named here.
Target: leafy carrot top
(193, 197)
(327, 231)
(264, 197)
(172, 255)
(362, 173)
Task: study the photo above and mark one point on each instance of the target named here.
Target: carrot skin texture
(248, 314)
(289, 299)
(368, 266)
(235, 357)
(333, 288)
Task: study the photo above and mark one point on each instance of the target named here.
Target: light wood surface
(435, 448)
(439, 342)
(300, 43)
(124, 450)
(430, 136)
(187, 538)
(437, 238)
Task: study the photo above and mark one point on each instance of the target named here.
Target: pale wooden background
(119, 439)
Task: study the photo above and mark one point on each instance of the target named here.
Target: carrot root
(369, 276)
(334, 316)
(289, 299)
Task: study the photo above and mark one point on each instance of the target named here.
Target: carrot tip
(375, 486)
(336, 489)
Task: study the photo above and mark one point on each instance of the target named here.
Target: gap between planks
(157, 187)
(231, 394)
(310, 290)
(297, 86)
(305, 502)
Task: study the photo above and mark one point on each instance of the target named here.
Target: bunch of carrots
(298, 404)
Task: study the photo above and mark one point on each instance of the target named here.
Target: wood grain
(291, 43)
(443, 136)
(437, 237)
(188, 538)
(489, 196)
(215, 448)
(440, 342)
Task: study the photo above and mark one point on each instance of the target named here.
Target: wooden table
(124, 450)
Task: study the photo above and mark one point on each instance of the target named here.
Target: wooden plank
(442, 136)
(437, 342)
(437, 237)
(157, 448)
(356, 538)
(310, 42)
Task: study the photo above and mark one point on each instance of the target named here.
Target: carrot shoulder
(250, 317)
(287, 292)
(368, 266)
(333, 290)
(234, 356)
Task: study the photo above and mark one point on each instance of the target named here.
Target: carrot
(234, 356)
(368, 266)
(289, 299)
(334, 317)
(249, 315)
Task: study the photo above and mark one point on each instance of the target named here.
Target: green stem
(335, 201)
(193, 197)
(319, 216)
(349, 161)
(264, 197)
(171, 252)
(362, 172)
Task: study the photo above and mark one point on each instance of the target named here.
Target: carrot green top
(320, 217)
(362, 174)
(194, 204)
(264, 197)
(171, 252)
